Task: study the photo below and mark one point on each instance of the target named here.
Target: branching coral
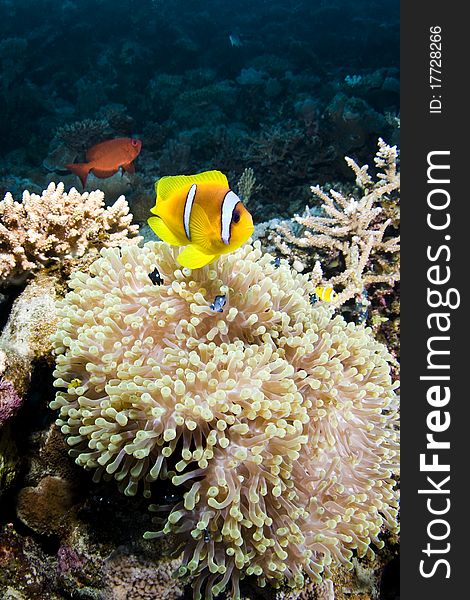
(41, 231)
(276, 420)
(355, 229)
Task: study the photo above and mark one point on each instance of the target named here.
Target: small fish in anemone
(326, 293)
(219, 303)
(202, 213)
(106, 158)
(155, 277)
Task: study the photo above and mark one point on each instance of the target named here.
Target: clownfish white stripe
(188, 207)
(228, 206)
(326, 293)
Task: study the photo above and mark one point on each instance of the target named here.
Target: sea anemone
(276, 419)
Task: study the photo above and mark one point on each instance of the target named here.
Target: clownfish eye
(236, 216)
(135, 143)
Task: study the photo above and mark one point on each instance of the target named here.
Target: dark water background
(287, 87)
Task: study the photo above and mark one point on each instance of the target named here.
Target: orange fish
(202, 213)
(105, 159)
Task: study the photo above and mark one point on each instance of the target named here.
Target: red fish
(105, 159)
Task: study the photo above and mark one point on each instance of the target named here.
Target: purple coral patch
(9, 401)
(69, 560)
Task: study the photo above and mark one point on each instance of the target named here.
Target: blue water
(286, 87)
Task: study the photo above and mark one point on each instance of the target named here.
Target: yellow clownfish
(326, 293)
(202, 213)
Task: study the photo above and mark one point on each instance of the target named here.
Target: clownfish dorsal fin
(167, 186)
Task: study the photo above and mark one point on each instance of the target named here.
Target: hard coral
(81, 135)
(363, 232)
(128, 575)
(46, 508)
(277, 420)
(41, 231)
(24, 341)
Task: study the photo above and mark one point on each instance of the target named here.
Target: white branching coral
(277, 421)
(41, 231)
(356, 229)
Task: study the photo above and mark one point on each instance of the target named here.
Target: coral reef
(81, 135)
(250, 91)
(77, 533)
(24, 340)
(9, 400)
(46, 230)
(25, 568)
(43, 238)
(275, 420)
(9, 459)
(131, 576)
(46, 508)
(358, 233)
(82, 567)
